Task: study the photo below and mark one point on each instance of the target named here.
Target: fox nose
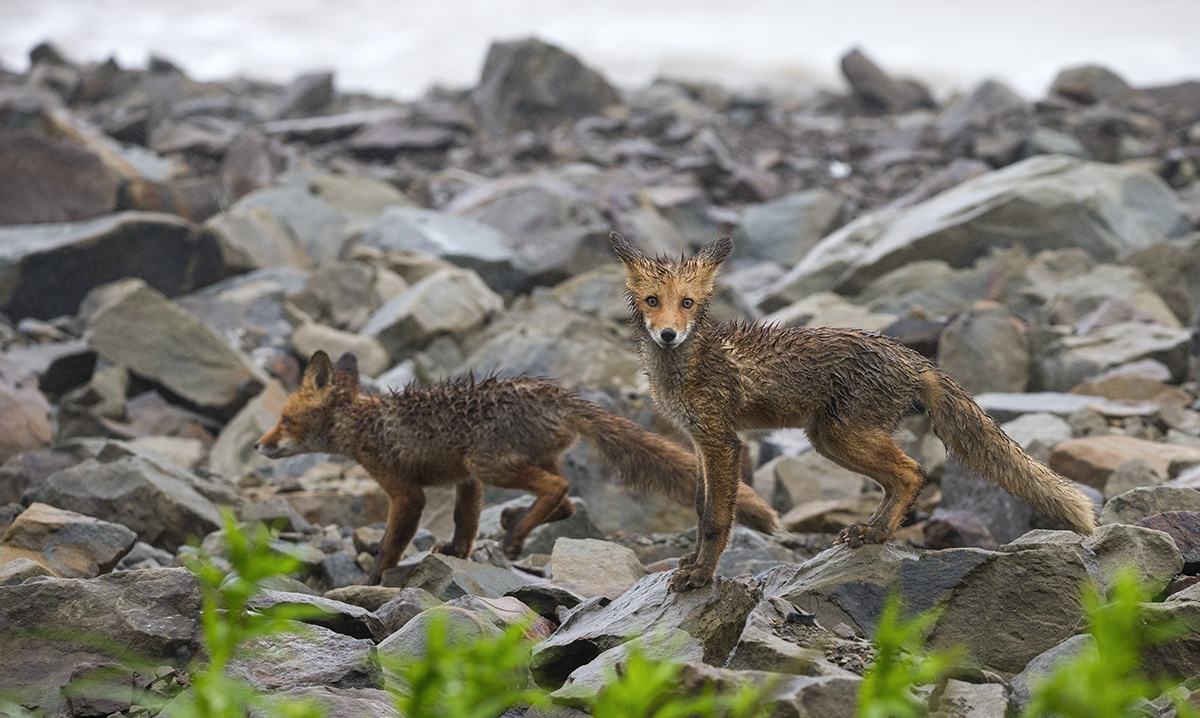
(257, 445)
(668, 335)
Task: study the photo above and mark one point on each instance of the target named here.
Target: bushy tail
(975, 439)
(647, 462)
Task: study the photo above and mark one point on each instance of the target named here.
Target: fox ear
(626, 252)
(347, 369)
(319, 371)
(716, 252)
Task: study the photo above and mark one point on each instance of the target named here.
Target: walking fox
(508, 433)
(846, 388)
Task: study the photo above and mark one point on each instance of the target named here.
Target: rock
(15, 571)
(506, 612)
(165, 504)
(1173, 271)
(956, 528)
(373, 358)
(24, 412)
(276, 513)
(47, 270)
(307, 656)
(1073, 359)
(713, 614)
(590, 567)
(1141, 503)
(1091, 460)
(1184, 528)
(1068, 286)
(248, 312)
(789, 481)
(345, 294)
(71, 544)
(344, 702)
(771, 642)
(1037, 433)
(1045, 663)
(308, 94)
(447, 577)
(52, 180)
(233, 454)
(59, 366)
(532, 85)
(152, 614)
(1007, 407)
(368, 597)
(990, 103)
(252, 162)
(450, 302)
(826, 309)
(1026, 204)
(340, 569)
(254, 238)
(546, 599)
(144, 556)
(960, 699)
(130, 323)
(790, 697)
(462, 241)
(588, 681)
(1178, 657)
(879, 92)
(386, 139)
(1153, 553)
(750, 552)
(359, 199)
(578, 525)
(410, 644)
(783, 230)
(829, 516)
(1005, 516)
(403, 607)
(343, 618)
(1089, 84)
(1014, 606)
(314, 224)
(985, 350)
(1131, 475)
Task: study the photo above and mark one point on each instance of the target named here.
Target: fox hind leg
(468, 503)
(549, 487)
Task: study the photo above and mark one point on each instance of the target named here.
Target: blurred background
(402, 48)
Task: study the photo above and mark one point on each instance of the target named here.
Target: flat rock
(343, 618)
(1074, 359)
(1005, 407)
(449, 302)
(826, 309)
(1091, 460)
(253, 238)
(586, 682)
(47, 270)
(403, 607)
(1141, 503)
(373, 358)
(71, 544)
(770, 641)
(368, 597)
(447, 577)
(311, 220)
(590, 567)
(307, 656)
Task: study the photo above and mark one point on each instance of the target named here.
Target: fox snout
(667, 337)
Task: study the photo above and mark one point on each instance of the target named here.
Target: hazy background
(401, 47)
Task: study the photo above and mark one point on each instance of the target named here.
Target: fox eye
(652, 301)
(687, 303)
(285, 421)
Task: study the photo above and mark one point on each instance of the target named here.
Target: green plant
(901, 664)
(1108, 681)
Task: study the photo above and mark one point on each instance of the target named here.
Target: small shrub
(901, 665)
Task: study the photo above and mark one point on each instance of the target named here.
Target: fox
(847, 389)
(504, 432)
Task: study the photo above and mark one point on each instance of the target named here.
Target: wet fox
(508, 433)
(846, 388)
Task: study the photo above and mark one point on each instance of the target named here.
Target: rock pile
(171, 250)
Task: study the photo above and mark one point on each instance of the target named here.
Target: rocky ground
(170, 250)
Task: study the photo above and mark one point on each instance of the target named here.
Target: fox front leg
(404, 513)
(721, 467)
(468, 503)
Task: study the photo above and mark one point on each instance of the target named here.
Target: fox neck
(668, 365)
(354, 425)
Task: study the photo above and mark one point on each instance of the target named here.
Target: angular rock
(1153, 553)
(24, 412)
(1038, 433)
(532, 85)
(1073, 359)
(826, 309)
(1040, 667)
(578, 525)
(343, 618)
(546, 599)
(307, 656)
(464, 242)
(410, 643)
(784, 229)
(52, 180)
(71, 544)
(373, 358)
(1039, 203)
(403, 607)
(591, 568)
(165, 504)
(308, 94)
(1005, 516)
(16, 570)
(130, 323)
(588, 681)
(1131, 475)
(880, 92)
(450, 302)
(1184, 528)
(253, 161)
(750, 552)
(314, 224)
(1090, 460)
(1089, 84)
(47, 270)
(233, 454)
(714, 614)
(1007, 407)
(344, 702)
(345, 294)
(1141, 503)
(990, 102)
(985, 350)
(447, 577)
(254, 238)
(772, 641)
(368, 597)
(972, 700)
(506, 612)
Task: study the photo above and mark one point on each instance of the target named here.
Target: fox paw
(512, 516)
(856, 535)
(688, 578)
(688, 559)
(447, 548)
(512, 551)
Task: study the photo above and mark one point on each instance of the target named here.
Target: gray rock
(410, 644)
(879, 92)
(248, 310)
(306, 95)
(1180, 656)
(1007, 407)
(1073, 359)
(1184, 528)
(344, 618)
(985, 350)
(1039, 203)
(152, 614)
(1014, 606)
(344, 294)
(770, 642)
(277, 513)
(340, 569)
(750, 552)
(24, 412)
(165, 504)
(599, 292)
(1023, 684)
(143, 555)
(53, 180)
(16, 570)
(1146, 501)
(447, 577)
(464, 242)
(450, 302)
(1067, 286)
(807, 696)
(403, 607)
(714, 614)
(73, 545)
(989, 103)
(826, 309)
(1089, 84)
(344, 702)
(1037, 433)
(546, 599)
(530, 84)
(130, 323)
(368, 597)
(588, 681)
(232, 455)
(252, 238)
(579, 525)
(1005, 516)
(1131, 475)
(373, 358)
(307, 656)
(783, 230)
(47, 270)
(960, 699)
(1153, 553)
(590, 567)
(314, 224)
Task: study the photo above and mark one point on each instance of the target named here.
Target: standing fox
(508, 433)
(846, 388)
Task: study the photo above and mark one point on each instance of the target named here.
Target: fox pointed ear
(347, 369)
(716, 252)
(626, 252)
(319, 372)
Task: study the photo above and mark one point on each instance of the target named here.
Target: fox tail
(647, 462)
(976, 439)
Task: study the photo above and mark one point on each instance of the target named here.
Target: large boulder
(985, 349)
(1046, 202)
(73, 545)
(132, 324)
(307, 656)
(530, 84)
(1146, 501)
(1091, 460)
(47, 270)
(253, 238)
(590, 567)
(52, 180)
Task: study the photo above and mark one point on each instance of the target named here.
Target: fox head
(304, 423)
(669, 297)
